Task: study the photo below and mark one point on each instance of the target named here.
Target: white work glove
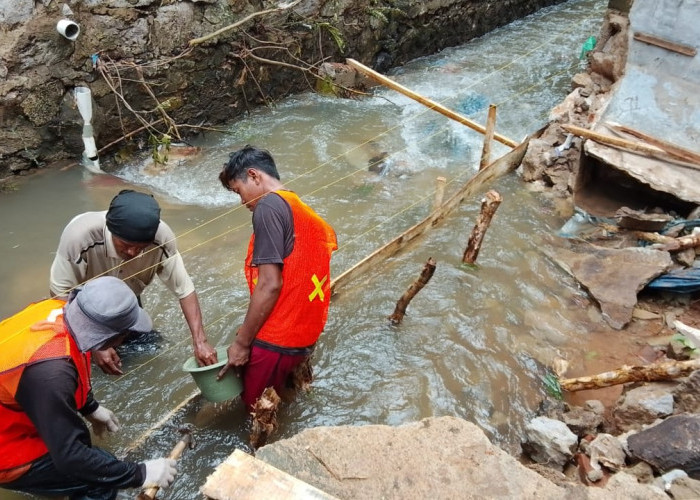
(103, 420)
(160, 472)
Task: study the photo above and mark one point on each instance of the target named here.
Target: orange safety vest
(22, 346)
(300, 313)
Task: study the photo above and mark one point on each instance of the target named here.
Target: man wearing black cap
(45, 388)
(106, 243)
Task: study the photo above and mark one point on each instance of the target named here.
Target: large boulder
(672, 444)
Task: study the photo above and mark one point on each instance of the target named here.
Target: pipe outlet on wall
(68, 29)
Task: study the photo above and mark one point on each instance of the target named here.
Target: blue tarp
(685, 281)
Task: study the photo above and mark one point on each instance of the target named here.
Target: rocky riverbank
(150, 66)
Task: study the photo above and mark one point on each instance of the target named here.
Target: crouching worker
(45, 390)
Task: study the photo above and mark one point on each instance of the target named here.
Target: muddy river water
(475, 342)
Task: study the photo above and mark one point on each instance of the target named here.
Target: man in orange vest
(288, 272)
(45, 445)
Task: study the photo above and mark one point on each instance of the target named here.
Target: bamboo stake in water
(439, 192)
(488, 137)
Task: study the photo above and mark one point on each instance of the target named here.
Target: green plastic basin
(214, 390)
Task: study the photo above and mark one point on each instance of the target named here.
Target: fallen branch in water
(665, 370)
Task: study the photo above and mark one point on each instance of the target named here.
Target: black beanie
(133, 216)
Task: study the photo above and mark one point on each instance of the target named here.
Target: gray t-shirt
(273, 225)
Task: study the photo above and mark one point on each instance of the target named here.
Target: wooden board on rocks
(242, 476)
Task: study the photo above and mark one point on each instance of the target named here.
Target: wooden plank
(427, 102)
(243, 477)
(498, 168)
(686, 50)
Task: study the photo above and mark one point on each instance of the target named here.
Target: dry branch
(417, 286)
(665, 370)
(197, 41)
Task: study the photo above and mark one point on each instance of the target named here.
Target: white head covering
(102, 309)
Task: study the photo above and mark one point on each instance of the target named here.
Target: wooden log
(427, 102)
(630, 146)
(654, 237)
(439, 192)
(417, 286)
(665, 370)
(488, 137)
(680, 243)
(686, 50)
(489, 205)
(670, 148)
(498, 168)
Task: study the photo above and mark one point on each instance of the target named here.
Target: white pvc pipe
(68, 29)
(83, 98)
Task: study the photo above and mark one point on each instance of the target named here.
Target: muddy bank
(138, 59)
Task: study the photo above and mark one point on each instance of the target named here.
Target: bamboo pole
(417, 286)
(665, 370)
(489, 205)
(488, 137)
(498, 168)
(631, 146)
(670, 148)
(439, 192)
(427, 102)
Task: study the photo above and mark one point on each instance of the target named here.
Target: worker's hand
(238, 357)
(205, 354)
(108, 360)
(103, 420)
(160, 472)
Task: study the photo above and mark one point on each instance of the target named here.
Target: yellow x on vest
(317, 288)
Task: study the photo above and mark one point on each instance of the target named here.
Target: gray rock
(607, 450)
(642, 471)
(672, 444)
(612, 277)
(643, 405)
(582, 421)
(15, 11)
(686, 395)
(549, 441)
(685, 488)
(437, 458)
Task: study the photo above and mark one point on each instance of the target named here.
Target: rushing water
(474, 342)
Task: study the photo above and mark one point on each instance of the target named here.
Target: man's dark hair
(247, 157)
